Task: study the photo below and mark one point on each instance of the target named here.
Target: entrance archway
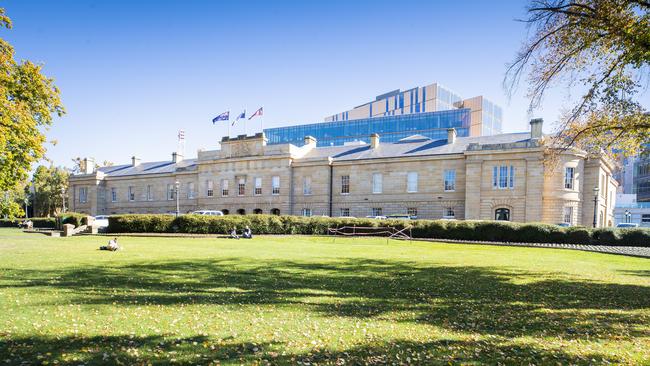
(502, 214)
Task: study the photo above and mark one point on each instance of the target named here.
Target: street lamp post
(177, 185)
(596, 190)
(26, 203)
(63, 197)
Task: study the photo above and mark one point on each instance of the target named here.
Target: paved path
(629, 251)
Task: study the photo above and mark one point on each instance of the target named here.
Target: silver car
(208, 212)
(101, 220)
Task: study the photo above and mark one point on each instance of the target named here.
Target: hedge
(76, 219)
(434, 229)
(73, 218)
(39, 222)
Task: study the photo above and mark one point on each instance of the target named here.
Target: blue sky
(132, 73)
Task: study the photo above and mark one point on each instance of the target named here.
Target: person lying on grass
(112, 245)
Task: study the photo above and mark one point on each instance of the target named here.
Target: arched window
(502, 214)
(241, 211)
(257, 211)
(275, 211)
(225, 211)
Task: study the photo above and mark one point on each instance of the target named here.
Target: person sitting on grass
(233, 233)
(247, 234)
(26, 224)
(112, 245)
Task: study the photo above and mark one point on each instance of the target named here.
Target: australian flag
(225, 116)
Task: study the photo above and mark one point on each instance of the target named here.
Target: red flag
(258, 112)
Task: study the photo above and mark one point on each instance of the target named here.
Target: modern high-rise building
(634, 176)
(485, 116)
(427, 111)
(432, 125)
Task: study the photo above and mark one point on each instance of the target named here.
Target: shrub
(434, 229)
(635, 237)
(576, 235)
(73, 218)
(605, 236)
(39, 222)
(140, 223)
(9, 222)
(540, 233)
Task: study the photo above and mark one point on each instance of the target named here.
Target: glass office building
(491, 116)
(486, 117)
(390, 128)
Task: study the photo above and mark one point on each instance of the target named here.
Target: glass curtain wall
(433, 125)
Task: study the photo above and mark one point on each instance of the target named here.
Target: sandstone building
(500, 177)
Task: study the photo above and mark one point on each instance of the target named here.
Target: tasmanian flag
(239, 116)
(258, 112)
(225, 116)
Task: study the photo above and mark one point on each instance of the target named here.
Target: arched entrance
(275, 211)
(257, 211)
(241, 211)
(225, 211)
(502, 214)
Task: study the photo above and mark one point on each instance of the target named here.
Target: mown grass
(310, 300)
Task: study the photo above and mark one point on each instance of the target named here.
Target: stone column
(473, 178)
(534, 189)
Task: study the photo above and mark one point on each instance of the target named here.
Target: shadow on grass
(479, 300)
(640, 273)
(473, 299)
(127, 350)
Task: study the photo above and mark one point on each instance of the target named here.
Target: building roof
(413, 146)
(156, 167)
(416, 145)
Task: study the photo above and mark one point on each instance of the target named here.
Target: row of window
(170, 192)
(411, 182)
(503, 177)
(448, 212)
(241, 186)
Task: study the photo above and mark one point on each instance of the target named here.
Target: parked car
(208, 212)
(627, 224)
(376, 217)
(563, 224)
(400, 217)
(101, 220)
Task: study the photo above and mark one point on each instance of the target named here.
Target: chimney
(135, 161)
(88, 166)
(536, 128)
(374, 141)
(310, 141)
(176, 157)
(451, 135)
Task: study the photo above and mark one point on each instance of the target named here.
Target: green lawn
(313, 301)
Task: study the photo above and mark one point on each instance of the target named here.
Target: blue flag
(240, 116)
(225, 116)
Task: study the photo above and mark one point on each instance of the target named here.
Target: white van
(208, 212)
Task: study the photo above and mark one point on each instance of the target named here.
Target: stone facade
(480, 178)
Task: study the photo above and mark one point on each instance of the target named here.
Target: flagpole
(261, 119)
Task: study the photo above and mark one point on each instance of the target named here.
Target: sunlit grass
(312, 300)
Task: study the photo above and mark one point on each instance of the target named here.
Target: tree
(12, 202)
(602, 47)
(28, 101)
(50, 185)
